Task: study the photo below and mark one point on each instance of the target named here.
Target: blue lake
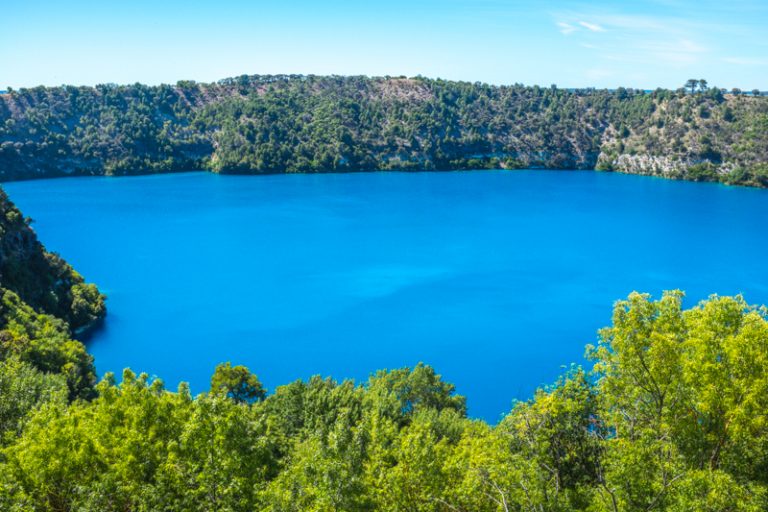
(497, 279)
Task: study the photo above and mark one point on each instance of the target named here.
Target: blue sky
(641, 43)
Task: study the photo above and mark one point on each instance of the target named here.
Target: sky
(640, 43)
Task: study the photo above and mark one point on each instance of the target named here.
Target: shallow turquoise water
(495, 278)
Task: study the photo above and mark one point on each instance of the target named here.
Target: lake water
(497, 279)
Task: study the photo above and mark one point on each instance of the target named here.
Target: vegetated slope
(93, 131)
(259, 124)
(40, 278)
(703, 137)
(43, 303)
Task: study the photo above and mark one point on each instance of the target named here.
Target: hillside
(269, 124)
(702, 137)
(42, 279)
(43, 304)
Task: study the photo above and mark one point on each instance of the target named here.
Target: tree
(691, 84)
(703, 85)
(221, 459)
(399, 394)
(238, 383)
(677, 391)
(23, 389)
(557, 431)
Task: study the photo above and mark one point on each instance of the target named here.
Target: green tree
(238, 383)
(679, 392)
(222, 459)
(558, 432)
(24, 389)
(399, 394)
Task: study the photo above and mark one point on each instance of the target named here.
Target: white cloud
(638, 39)
(634, 22)
(593, 27)
(659, 44)
(576, 26)
(566, 28)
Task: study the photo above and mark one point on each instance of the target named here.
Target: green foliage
(23, 389)
(237, 383)
(400, 394)
(682, 397)
(44, 342)
(41, 279)
(42, 299)
(558, 432)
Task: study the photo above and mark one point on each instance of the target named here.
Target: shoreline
(372, 171)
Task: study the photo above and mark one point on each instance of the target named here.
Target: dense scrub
(259, 124)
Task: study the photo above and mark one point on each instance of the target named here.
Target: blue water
(497, 279)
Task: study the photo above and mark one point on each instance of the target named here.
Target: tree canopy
(237, 383)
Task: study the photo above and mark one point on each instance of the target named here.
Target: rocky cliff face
(703, 137)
